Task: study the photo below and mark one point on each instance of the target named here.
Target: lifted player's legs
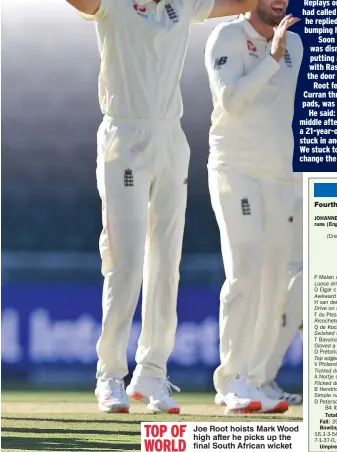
(124, 186)
(166, 220)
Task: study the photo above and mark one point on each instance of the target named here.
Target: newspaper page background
(51, 323)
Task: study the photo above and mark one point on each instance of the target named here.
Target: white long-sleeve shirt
(142, 47)
(253, 98)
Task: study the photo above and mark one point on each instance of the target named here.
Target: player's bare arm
(86, 6)
(231, 7)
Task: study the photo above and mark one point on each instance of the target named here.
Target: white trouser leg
(124, 181)
(296, 261)
(294, 311)
(166, 220)
(278, 208)
(292, 321)
(236, 201)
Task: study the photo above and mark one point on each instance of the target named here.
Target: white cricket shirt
(142, 47)
(253, 98)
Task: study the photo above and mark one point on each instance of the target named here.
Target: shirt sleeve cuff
(205, 12)
(100, 13)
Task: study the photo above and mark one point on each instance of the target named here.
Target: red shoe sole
(280, 408)
(120, 411)
(252, 407)
(116, 410)
(137, 396)
(173, 411)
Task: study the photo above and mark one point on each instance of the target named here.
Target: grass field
(69, 421)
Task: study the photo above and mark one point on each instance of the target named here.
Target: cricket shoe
(110, 393)
(233, 396)
(273, 390)
(155, 393)
(269, 405)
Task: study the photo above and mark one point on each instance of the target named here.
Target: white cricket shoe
(268, 404)
(273, 390)
(235, 399)
(155, 393)
(241, 396)
(110, 393)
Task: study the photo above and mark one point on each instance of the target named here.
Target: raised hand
(278, 45)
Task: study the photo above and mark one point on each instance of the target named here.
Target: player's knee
(126, 267)
(166, 266)
(170, 272)
(249, 259)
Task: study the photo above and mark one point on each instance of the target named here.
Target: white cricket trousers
(142, 169)
(254, 219)
(293, 317)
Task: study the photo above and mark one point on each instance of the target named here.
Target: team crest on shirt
(252, 49)
(141, 10)
(171, 13)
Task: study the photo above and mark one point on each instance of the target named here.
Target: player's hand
(278, 45)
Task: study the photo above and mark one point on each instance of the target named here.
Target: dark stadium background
(51, 211)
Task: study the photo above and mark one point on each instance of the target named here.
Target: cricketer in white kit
(253, 64)
(142, 170)
(292, 317)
